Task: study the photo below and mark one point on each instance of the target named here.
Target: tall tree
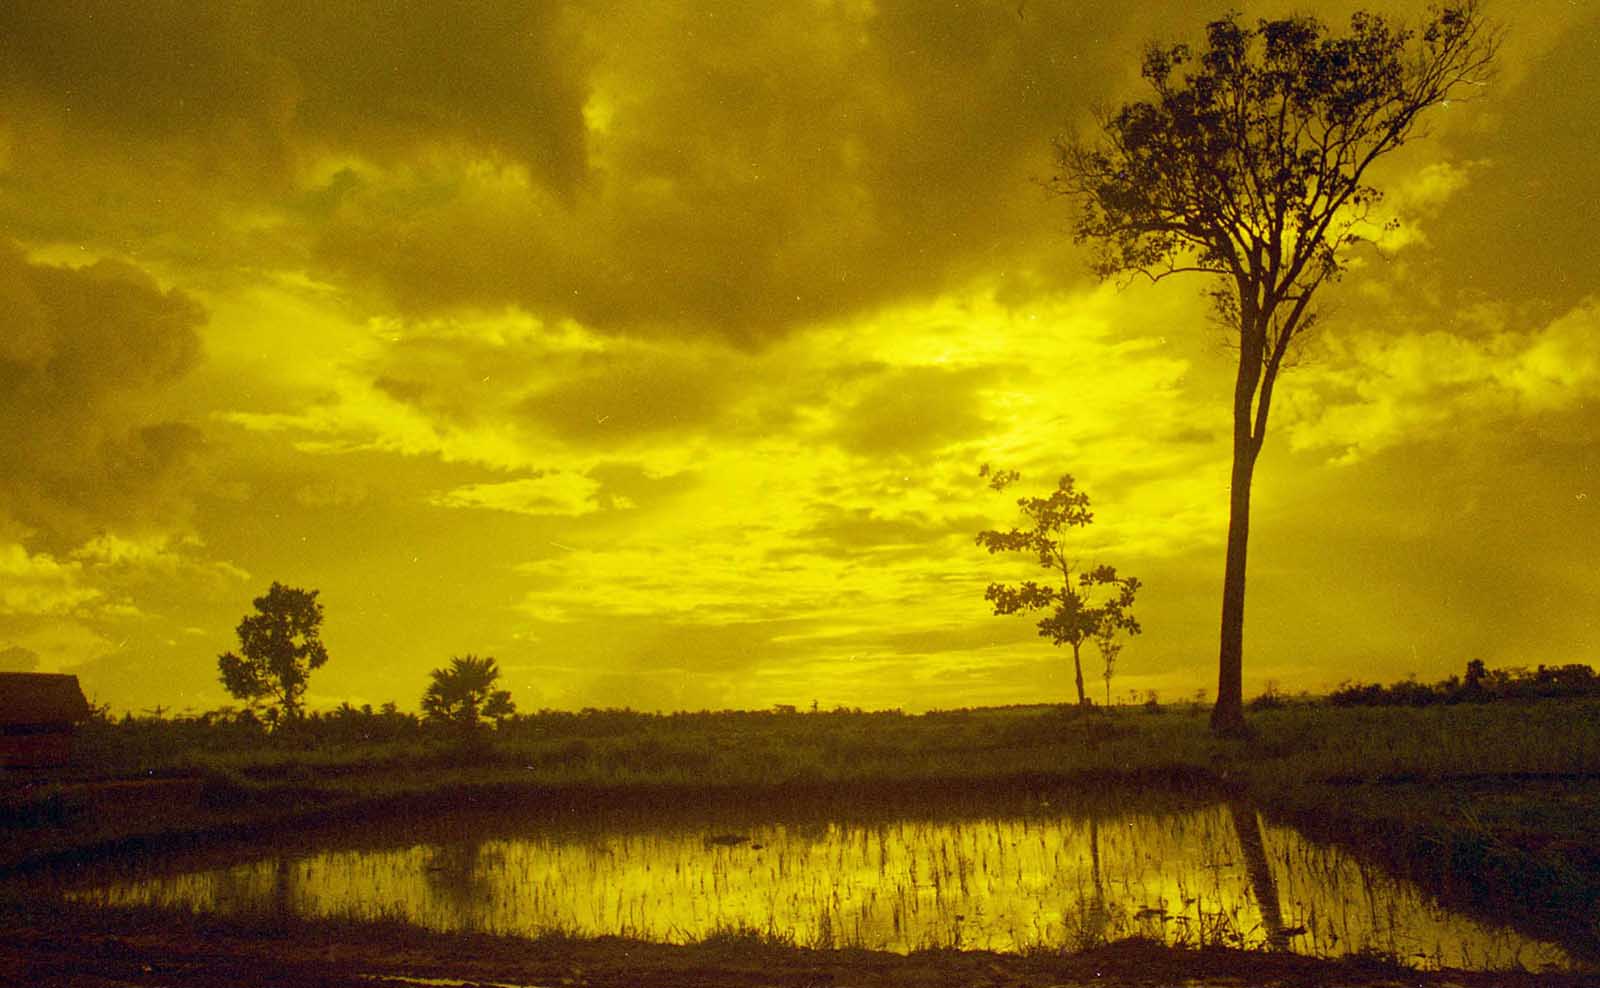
(464, 692)
(1249, 163)
(279, 646)
(1088, 601)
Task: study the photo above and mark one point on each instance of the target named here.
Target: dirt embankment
(70, 947)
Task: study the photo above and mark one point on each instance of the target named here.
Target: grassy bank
(1473, 800)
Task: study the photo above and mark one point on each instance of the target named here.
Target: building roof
(36, 698)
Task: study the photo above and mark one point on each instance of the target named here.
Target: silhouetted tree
(1106, 641)
(1249, 163)
(463, 693)
(1475, 674)
(279, 646)
(1090, 601)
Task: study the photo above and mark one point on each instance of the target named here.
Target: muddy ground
(53, 945)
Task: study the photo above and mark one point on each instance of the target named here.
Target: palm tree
(463, 693)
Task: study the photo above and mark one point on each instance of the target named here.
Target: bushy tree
(463, 693)
(1081, 602)
(279, 646)
(1249, 163)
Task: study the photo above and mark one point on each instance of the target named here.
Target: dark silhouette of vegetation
(1271, 699)
(1249, 164)
(463, 693)
(1090, 603)
(279, 646)
(1480, 685)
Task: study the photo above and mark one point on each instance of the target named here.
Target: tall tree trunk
(1227, 717)
(1077, 668)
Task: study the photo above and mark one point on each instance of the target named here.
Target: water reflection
(1215, 875)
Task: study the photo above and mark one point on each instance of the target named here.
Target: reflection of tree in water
(1262, 885)
(264, 889)
(283, 887)
(458, 874)
(1091, 923)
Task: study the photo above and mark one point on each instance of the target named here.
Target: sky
(653, 348)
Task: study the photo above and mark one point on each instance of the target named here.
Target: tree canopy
(279, 646)
(463, 693)
(1250, 162)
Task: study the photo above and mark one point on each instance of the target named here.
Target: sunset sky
(652, 348)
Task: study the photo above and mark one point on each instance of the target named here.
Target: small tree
(279, 646)
(1106, 641)
(1249, 163)
(463, 693)
(1089, 602)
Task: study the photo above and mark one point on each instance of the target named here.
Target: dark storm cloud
(245, 86)
(84, 357)
(1526, 229)
(754, 168)
(198, 135)
(706, 168)
(742, 169)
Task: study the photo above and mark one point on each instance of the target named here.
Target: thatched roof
(37, 698)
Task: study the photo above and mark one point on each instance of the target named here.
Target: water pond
(1034, 876)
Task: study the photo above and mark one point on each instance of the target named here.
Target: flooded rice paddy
(1034, 878)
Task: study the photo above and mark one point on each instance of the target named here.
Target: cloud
(642, 168)
(333, 492)
(914, 410)
(860, 530)
(1525, 235)
(18, 659)
(115, 559)
(37, 584)
(1371, 391)
(87, 358)
(556, 493)
(250, 91)
(841, 169)
(774, 281)
(633, 394)
(109, 550)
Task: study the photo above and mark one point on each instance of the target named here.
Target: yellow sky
(652, 348)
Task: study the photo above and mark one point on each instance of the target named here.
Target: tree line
(1479, 685)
